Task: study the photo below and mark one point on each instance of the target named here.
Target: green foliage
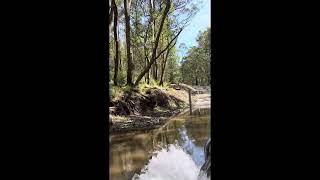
(143, 86)
(127, 89)
(154, 82)
(111, 76)
(122, 77)
(114, 91)
(195, 68)
(144, 26)
(166, 85)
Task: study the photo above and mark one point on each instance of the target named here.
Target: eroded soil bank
(148, 110)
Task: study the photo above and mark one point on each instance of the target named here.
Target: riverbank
(150, 109)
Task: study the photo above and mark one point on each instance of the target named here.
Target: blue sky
(200, 22)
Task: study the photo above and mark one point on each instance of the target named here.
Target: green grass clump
(143, 86)
(166, 85)
(127, 89)
(154, 83)
(114, 91)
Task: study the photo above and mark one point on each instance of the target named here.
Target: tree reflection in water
(130, 152)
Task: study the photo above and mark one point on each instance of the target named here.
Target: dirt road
(203, 98)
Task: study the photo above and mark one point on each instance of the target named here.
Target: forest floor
(152, 108)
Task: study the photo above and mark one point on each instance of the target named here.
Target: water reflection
(170, 164)
(130, 152)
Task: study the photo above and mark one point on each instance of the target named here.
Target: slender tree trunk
(145, 53)
(153, 8)
(165, 63)
(164, 67)
(151, 4)
(156, 71)
(110, 21)
(119, 40)
(115, 31)
(120, 65)
(153, 57)
(148, 73)
(110, 16)
(129, 58)
(160, 69)
(136, 33)
(145, 65)
(153, 70)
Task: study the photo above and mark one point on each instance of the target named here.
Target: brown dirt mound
(135, 103)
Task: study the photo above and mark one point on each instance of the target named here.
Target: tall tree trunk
(155, 70)
(153, 57)
(110, 16)
(119, 40)
(110, 21)
(120, 65)
(136, 34)
(115, 31)
(153, 19)
(145, 53)
(145, 65)
(161, 62)
(164, 67)
(165, 63)
(148, 73)
(129, 58)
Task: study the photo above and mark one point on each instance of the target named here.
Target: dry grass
(179, 94)
(118, 118)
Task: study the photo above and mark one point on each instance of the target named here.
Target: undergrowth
(116, 91)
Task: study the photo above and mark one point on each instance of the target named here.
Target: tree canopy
(143, 39)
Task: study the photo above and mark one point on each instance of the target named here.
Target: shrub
(127, 89)
(114, 91)
(122, 77)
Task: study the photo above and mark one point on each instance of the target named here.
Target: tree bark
(115, 31)
(145, 52)
(146, 55)
(148, 72)
(120, 65)
(160, 69)
(153, 19)
(110, 17)
(155, 70)
(128, 38)
(110, 21)
(163, 68)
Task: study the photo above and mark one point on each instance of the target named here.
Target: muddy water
(174, 151)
